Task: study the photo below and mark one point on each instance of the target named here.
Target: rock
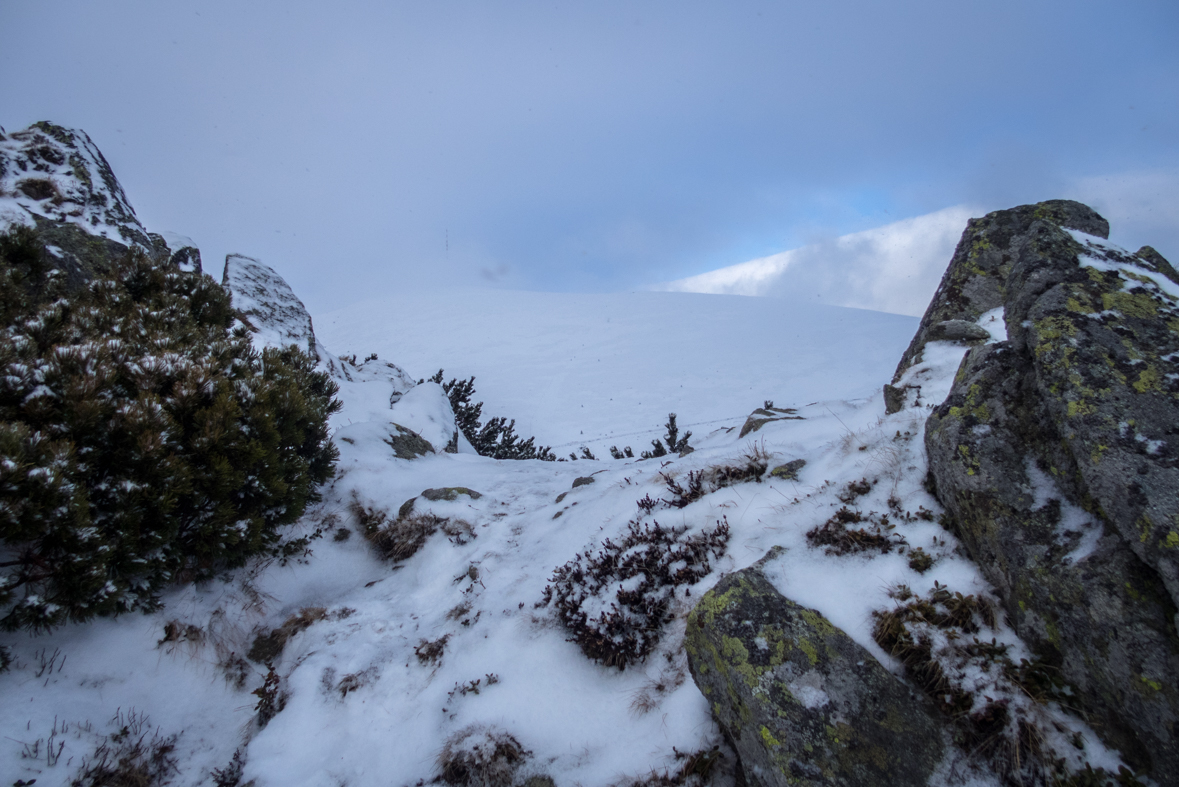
(56, 181)
(1159, 262)
(426, 410)
(975, 281)
(176, 250)
(450, 493)
(445, 494)
(789, 471)
(959, 331)
(406, 508)
(1053, 454)
(799, 700)
(271, 310)
(407, 444)
(764, 415)
(583, 481)
(894, 398)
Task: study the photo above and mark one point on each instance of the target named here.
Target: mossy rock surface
(451, 493)
(1057, 457)
(408, 444)
(789, 471)
(976, 280)
(799, 700)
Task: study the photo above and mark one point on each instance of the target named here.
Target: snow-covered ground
(599, 370)
(361, 707)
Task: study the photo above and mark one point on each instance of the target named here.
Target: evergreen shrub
(497, 438)
(143, 440)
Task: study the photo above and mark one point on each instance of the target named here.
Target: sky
(369, 148)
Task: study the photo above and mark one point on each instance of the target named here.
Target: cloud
(894, 268)
(1142, 207)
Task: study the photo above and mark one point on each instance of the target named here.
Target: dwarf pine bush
(497, 438)
(142, 441)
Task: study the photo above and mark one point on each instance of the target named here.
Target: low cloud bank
(894, 268)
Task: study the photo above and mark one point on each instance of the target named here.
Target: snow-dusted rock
(56, 181)
(975, 281)
(801, 702)
(271, 310)
(426, 410)
(1051, 453)
(178, 250)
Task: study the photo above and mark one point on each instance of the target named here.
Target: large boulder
(269, 308)
(976, 280)
(1057, 457)
(799, 700)
(56, 181)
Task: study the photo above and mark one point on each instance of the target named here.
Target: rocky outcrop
(1056, 455)
(269, 308)
(56, 181)
(976, 280)
(799, 700)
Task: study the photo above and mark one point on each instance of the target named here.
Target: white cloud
(1142, 207)
(894, 268)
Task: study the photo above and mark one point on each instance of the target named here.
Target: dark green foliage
(140, 441)
(675, 444)
(497, 438)
(625, 453)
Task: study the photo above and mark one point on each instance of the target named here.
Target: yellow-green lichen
(1171, 541)
(817, 622)
(768, 738)
(714, 604)
(1148, 380)
(806, 647)
(1145, 525)
(1147, 683)
(1053, 633)
(1077, 409)
(1132, 304)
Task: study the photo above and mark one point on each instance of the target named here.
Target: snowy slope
(598, 370)
(361, 707)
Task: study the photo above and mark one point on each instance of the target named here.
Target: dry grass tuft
(480, 756)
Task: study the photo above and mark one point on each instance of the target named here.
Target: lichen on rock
(798, 699)
(1054, 457)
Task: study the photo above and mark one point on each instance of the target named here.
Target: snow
(361, 708)
(1076, 525)
(1105, 256)
(598, 370)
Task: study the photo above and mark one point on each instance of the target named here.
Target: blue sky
(368, 147)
